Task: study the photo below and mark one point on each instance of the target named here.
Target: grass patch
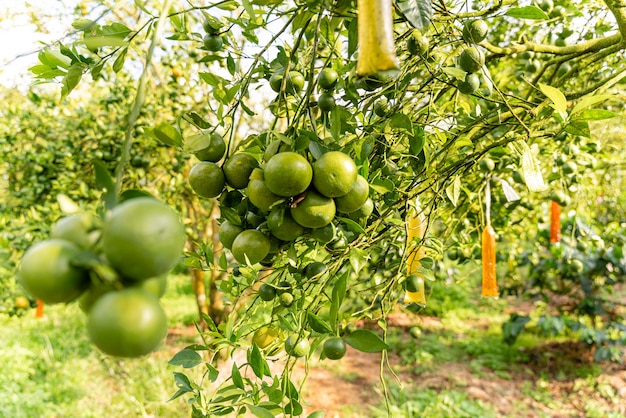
(51, 369)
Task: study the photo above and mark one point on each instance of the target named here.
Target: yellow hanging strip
(489, 283)
(377, 52)
(415, 230)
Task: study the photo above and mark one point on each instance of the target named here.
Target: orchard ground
(457, 366)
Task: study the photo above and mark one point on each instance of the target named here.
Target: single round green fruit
(276, 81)
(237, 169)
(143, 238)
(315, 269)
(470, 84)
(267, 292)
(76, 229)
(334, 174)
(314, 211)
(251, 244)
(334, 348)
(472, 59)
(487, 165)
(288, 174)
(47, 272)
(297, 348)
(328, 78)
(475, 31)
(283, 226)
(265, 336)
(258, 192)
(127, 323)
(570, 167)
(227, 233)
(213, 42)
(207, 179)
(155, 285)
(286, 299)
(325, 234)
(355, 198)
(382, 108)
(212, 148)
(414, 283)
(417, 44)
(294, 83)
(326, 102)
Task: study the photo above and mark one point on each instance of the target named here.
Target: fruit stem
(139, 98)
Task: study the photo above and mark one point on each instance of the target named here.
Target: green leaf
(84, 24)
(236, 376)
(259, 412)
(417, 140)
(186, 358)
(182, 382)
(595, 114)
(454, 72)
(316, 414)
(588, 101)
(358, 259)
(366, 341)
(105, 181)
(352, 226)
(339, 293)
(418, 12)
(453, 191)
(72, 78)
(257, 362)
(95, 42)
(400, 121)
(318, 324)
(119, 61)
(579, 127)
(527, 12)
(168, 135)
(248, 7)
(554, 94)
(196, 120)
(56, 59)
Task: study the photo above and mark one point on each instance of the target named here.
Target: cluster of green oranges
(268, 338)
(285, 199)
(116, 269)
(472, 58)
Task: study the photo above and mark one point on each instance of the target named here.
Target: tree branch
(618, 8)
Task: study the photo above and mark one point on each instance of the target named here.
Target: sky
(21, 38)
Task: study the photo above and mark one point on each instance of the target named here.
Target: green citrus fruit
(237, 170)
(327, 78)
(414, 283)
(334, 174)
(92, 294)
(75, 228)
(207, 179)
(297, 348)
(282, 226)
(415, 332)
(286, 299)
(288, 174)
(560, 197)
(258, 192)
(417, 44)
(314, 211)
(267, 292)
(47, 272)
(143, 238)
(382, 108)
(252, 244)
(315, 269)
(324, 234)
(563, 69)
(576, 265)
(213, 148)
(518, 177)
(532, 66)
(486, 165)
(558, 11)
(334, 348)
(474, 31)
(326, 102)
(364, 211)
(283, 287)
(213, 42)
(276, 80)
(470, 84)
(264, 336)
(294, 82)
(155, 285)
(227, 233)
(472, 59)
(355, 198)
(546, 5)
(127, 323)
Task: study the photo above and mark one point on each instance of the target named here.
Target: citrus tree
(349, 145)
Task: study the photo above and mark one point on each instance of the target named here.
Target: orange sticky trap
(489, 284)
(555, 222)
